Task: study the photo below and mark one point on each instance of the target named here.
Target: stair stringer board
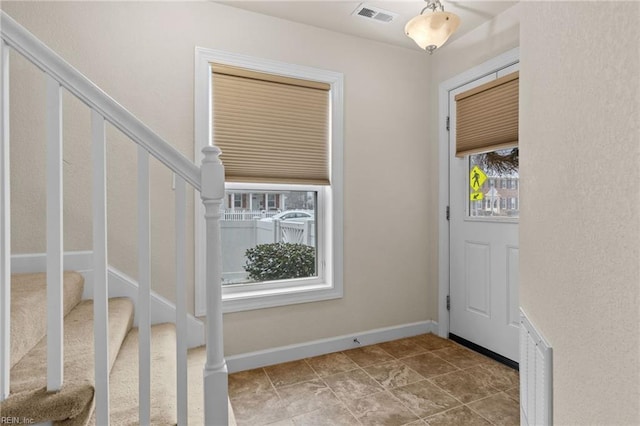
(120, 285)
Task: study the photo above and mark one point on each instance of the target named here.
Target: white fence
(295, 232)
(240, 235)
(247, 214)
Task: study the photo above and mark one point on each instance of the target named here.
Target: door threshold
(486, 352)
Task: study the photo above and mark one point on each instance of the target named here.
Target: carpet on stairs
(29, 308)
(74, 404)
(124, 379)
(29, 398)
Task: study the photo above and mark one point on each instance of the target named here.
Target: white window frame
(323, 267)
(329, 281)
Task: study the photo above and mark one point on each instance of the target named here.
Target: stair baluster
(5, 226)
(100, 262)
(181, 301)
(55, 346)
(144, 288)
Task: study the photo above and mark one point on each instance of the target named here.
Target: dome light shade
(432, 30)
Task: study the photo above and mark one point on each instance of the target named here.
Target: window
(253, 241)
(499, 192)
(236, 200)
(288, 171)
(271, 201)
(512, 203)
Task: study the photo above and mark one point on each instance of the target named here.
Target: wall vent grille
(535, 376)
(374, 14)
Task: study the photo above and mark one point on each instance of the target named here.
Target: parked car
(294, 215)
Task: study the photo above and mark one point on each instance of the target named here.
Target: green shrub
(280, 261)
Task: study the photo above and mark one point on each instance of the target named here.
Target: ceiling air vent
(374, 13)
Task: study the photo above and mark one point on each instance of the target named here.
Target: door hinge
(448, 123)
(448, 302)
(448, 213)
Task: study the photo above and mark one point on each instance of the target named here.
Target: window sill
(268, 298)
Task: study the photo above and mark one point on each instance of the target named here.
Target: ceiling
(337, 15)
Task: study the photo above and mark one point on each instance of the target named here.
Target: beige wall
(142, 54)
(479, 45)
(579, 122)
(580, 226)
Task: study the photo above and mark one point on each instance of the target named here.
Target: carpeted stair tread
(196, 359)
(28, 396)
(123, 380)
(29, 308)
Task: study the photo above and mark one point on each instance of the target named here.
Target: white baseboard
(282, 354)
(120, 285)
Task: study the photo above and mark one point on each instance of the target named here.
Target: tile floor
(422, 380)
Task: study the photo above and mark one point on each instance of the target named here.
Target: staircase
(73, 404)
(49, 370)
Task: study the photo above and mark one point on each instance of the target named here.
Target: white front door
(484, 205)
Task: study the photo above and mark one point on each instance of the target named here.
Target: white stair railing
(208, 179)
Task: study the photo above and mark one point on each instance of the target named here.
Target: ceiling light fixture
(432, 30)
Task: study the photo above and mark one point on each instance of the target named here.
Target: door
(484, 206)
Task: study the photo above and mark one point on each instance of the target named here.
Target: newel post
(215, 370)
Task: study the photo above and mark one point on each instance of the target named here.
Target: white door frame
(491, 66)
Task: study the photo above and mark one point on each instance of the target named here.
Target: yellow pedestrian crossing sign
(476, 179)
(476, 196)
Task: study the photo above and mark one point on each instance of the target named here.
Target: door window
(486, 198)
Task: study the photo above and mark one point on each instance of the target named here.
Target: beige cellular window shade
(487, 116)
(271, 129)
